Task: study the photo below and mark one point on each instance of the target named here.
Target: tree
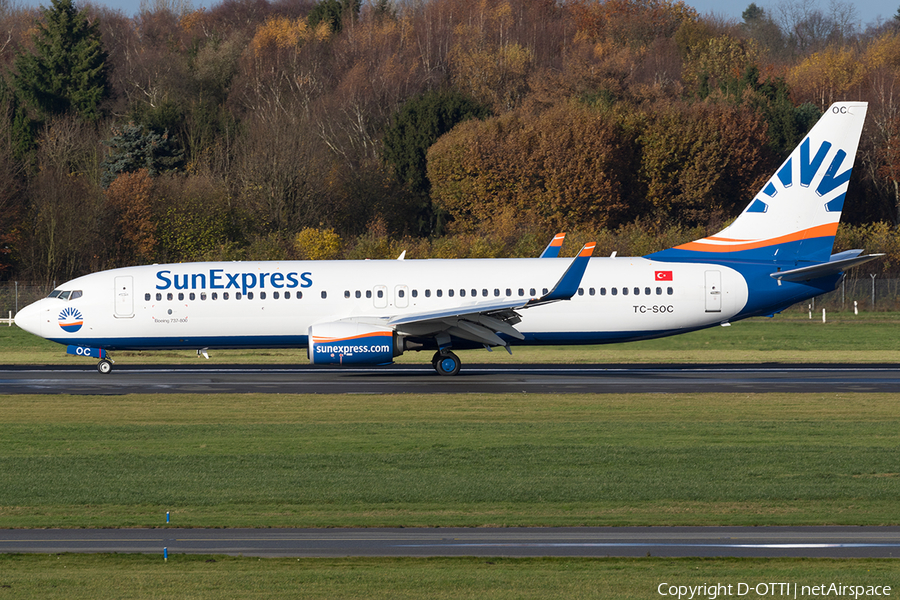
(129, 196)
(133, 149)
(67, 72)
(418, 124)
(333, 13)
(571, 166)
(700, 161)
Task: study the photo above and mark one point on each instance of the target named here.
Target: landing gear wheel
(104, 366)
(446, 364)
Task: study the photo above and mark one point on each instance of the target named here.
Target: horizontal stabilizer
(832, 267)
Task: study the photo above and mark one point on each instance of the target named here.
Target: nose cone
(31, 318)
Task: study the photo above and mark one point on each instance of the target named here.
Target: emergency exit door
(713, 291)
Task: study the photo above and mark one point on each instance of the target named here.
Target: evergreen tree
(333, 12)
(133, 149)
(418, 124)
(67, 72)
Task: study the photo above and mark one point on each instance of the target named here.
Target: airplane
(776, 253)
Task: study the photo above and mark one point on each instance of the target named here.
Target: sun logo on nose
(70, 319)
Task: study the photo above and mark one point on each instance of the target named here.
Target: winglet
(568, 284)
(552, 249)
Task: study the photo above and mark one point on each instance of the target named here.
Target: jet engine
(352, 343)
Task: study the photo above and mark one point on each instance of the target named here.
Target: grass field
(455, 460)
(76, 577)
(268, 460)
(869, 337)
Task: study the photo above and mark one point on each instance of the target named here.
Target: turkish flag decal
(663, 275)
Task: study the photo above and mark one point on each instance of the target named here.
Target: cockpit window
(66, 294)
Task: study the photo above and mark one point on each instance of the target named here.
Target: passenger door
(124, 297)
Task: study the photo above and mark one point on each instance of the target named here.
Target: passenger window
(215, 296)
(614, 291)
(193, 296)
(474, 293)
(225, 295)
(428, 293)
(532, 293)
(637, 291)
(237, 295)
(581, 291)
(203, 295)
(670, 291)
(602, 291)
(545, 291)
(521, 292)
(158, 296)
(262, 296)
(380, 294)
(439, 293)
(299, 295)
(287, 295)
(324, 294)
(368, 293)
(146, 297)
(496, 292)
(401, 293)
(624, 291)
(169, 296)
(462, 293)
(647, 291)
(450, 292)
(346, 293)
(180, 296)
(591, 291)
(249, 295)
(659, 291)
(508, 292)
(358, 294)
(415, 293)
(484, 292)
(275, 295)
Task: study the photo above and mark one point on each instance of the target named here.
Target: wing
(484, 322)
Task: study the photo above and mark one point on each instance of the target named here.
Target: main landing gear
(446, 363)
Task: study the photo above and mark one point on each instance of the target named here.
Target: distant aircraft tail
(795, 216)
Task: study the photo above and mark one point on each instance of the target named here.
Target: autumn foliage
(444, 127)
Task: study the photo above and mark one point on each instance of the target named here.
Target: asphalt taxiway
(843, 542)
(475, 378)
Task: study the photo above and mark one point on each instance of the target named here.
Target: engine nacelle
(349, 343)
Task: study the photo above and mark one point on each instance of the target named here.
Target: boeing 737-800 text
(776, 253)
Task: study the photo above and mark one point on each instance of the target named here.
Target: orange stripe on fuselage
(828, 230)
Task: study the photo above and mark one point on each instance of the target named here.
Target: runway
(475, 378)
(840, 542)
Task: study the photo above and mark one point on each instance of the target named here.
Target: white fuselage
(273, 304)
